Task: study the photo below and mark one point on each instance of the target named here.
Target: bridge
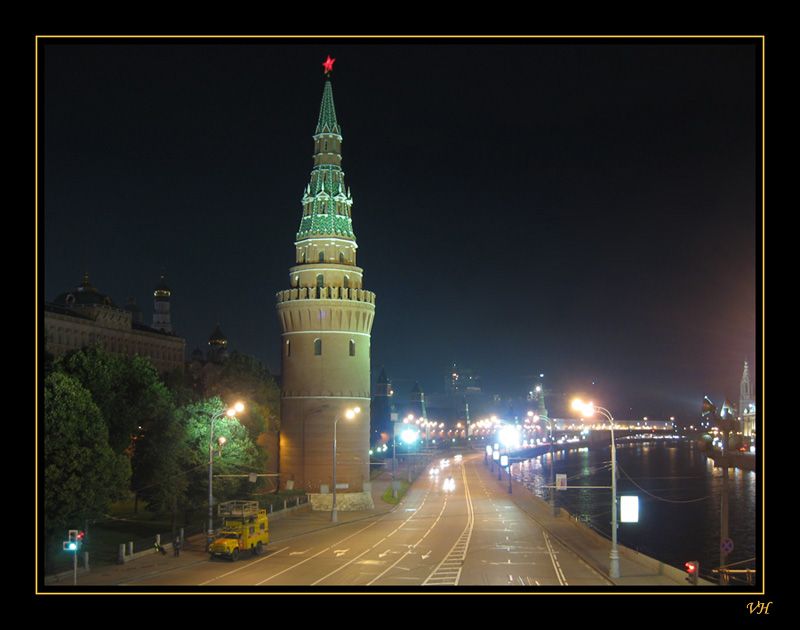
(564, 439)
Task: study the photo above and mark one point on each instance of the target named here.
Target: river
(679, 493)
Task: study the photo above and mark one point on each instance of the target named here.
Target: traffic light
(692, 572)
(75, 540)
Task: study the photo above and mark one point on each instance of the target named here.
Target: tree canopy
(127, 390)
(83, 475)
(113, 427)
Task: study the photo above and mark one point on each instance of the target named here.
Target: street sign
(629, 509)
(727, 545)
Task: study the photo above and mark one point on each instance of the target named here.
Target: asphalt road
(473, 534)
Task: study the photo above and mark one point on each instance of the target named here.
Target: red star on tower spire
(328, 65)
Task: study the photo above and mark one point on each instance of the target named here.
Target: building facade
(326, 321)
(83, 317)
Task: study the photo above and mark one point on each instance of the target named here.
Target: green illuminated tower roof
(327, 202)
(327, 112)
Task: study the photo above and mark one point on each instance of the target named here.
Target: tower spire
(327, 202)
(327, 122)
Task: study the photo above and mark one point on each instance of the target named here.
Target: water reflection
(679, 493)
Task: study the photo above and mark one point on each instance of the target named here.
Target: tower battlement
(325, 293)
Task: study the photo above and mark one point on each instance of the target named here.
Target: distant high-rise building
(461, 381)
(326, 321)
(463, 392)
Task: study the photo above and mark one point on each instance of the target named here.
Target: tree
(239, 457)
(83, 475)
(159, 464)
(127, 389)
(243, 378)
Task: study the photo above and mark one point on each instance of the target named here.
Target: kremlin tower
(326, 320)
(161, 296)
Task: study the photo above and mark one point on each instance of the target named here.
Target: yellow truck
(246, 528)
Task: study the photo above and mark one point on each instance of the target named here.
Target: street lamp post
(509, 436)
(349, 414)
(540, 416)
(409, 436)
(221, 440)
(542, 413)
(589, 409)
(394, 459)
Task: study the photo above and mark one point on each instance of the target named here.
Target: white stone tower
(326, 321)
(161, 317)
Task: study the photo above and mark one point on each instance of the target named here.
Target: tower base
(349, 502)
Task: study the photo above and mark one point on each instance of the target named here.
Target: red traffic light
(75, 540)
(692, 570)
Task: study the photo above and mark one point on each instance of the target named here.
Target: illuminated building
(326, 320)
(204, 368)
(83, 317)
(161, 318)
(747, 402)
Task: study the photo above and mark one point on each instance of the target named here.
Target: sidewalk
(282, 526)
(636, 570)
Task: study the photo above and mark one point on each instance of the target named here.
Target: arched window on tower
(352, 348)
(320, 281)
(321, 257)
(317, 347)
(346, 282)
(288, 348)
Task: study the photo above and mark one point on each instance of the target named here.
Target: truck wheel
(258, 549)
(234, 555)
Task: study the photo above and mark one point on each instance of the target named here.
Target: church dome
(84, 294)
(162, 289)
(217, 338)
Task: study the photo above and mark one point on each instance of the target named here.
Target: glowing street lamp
(221, 441)
(588, 409)
(409, 436)
(349, 414)
(536, 418)
(509, 436)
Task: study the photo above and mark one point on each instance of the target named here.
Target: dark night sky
(589, 209)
